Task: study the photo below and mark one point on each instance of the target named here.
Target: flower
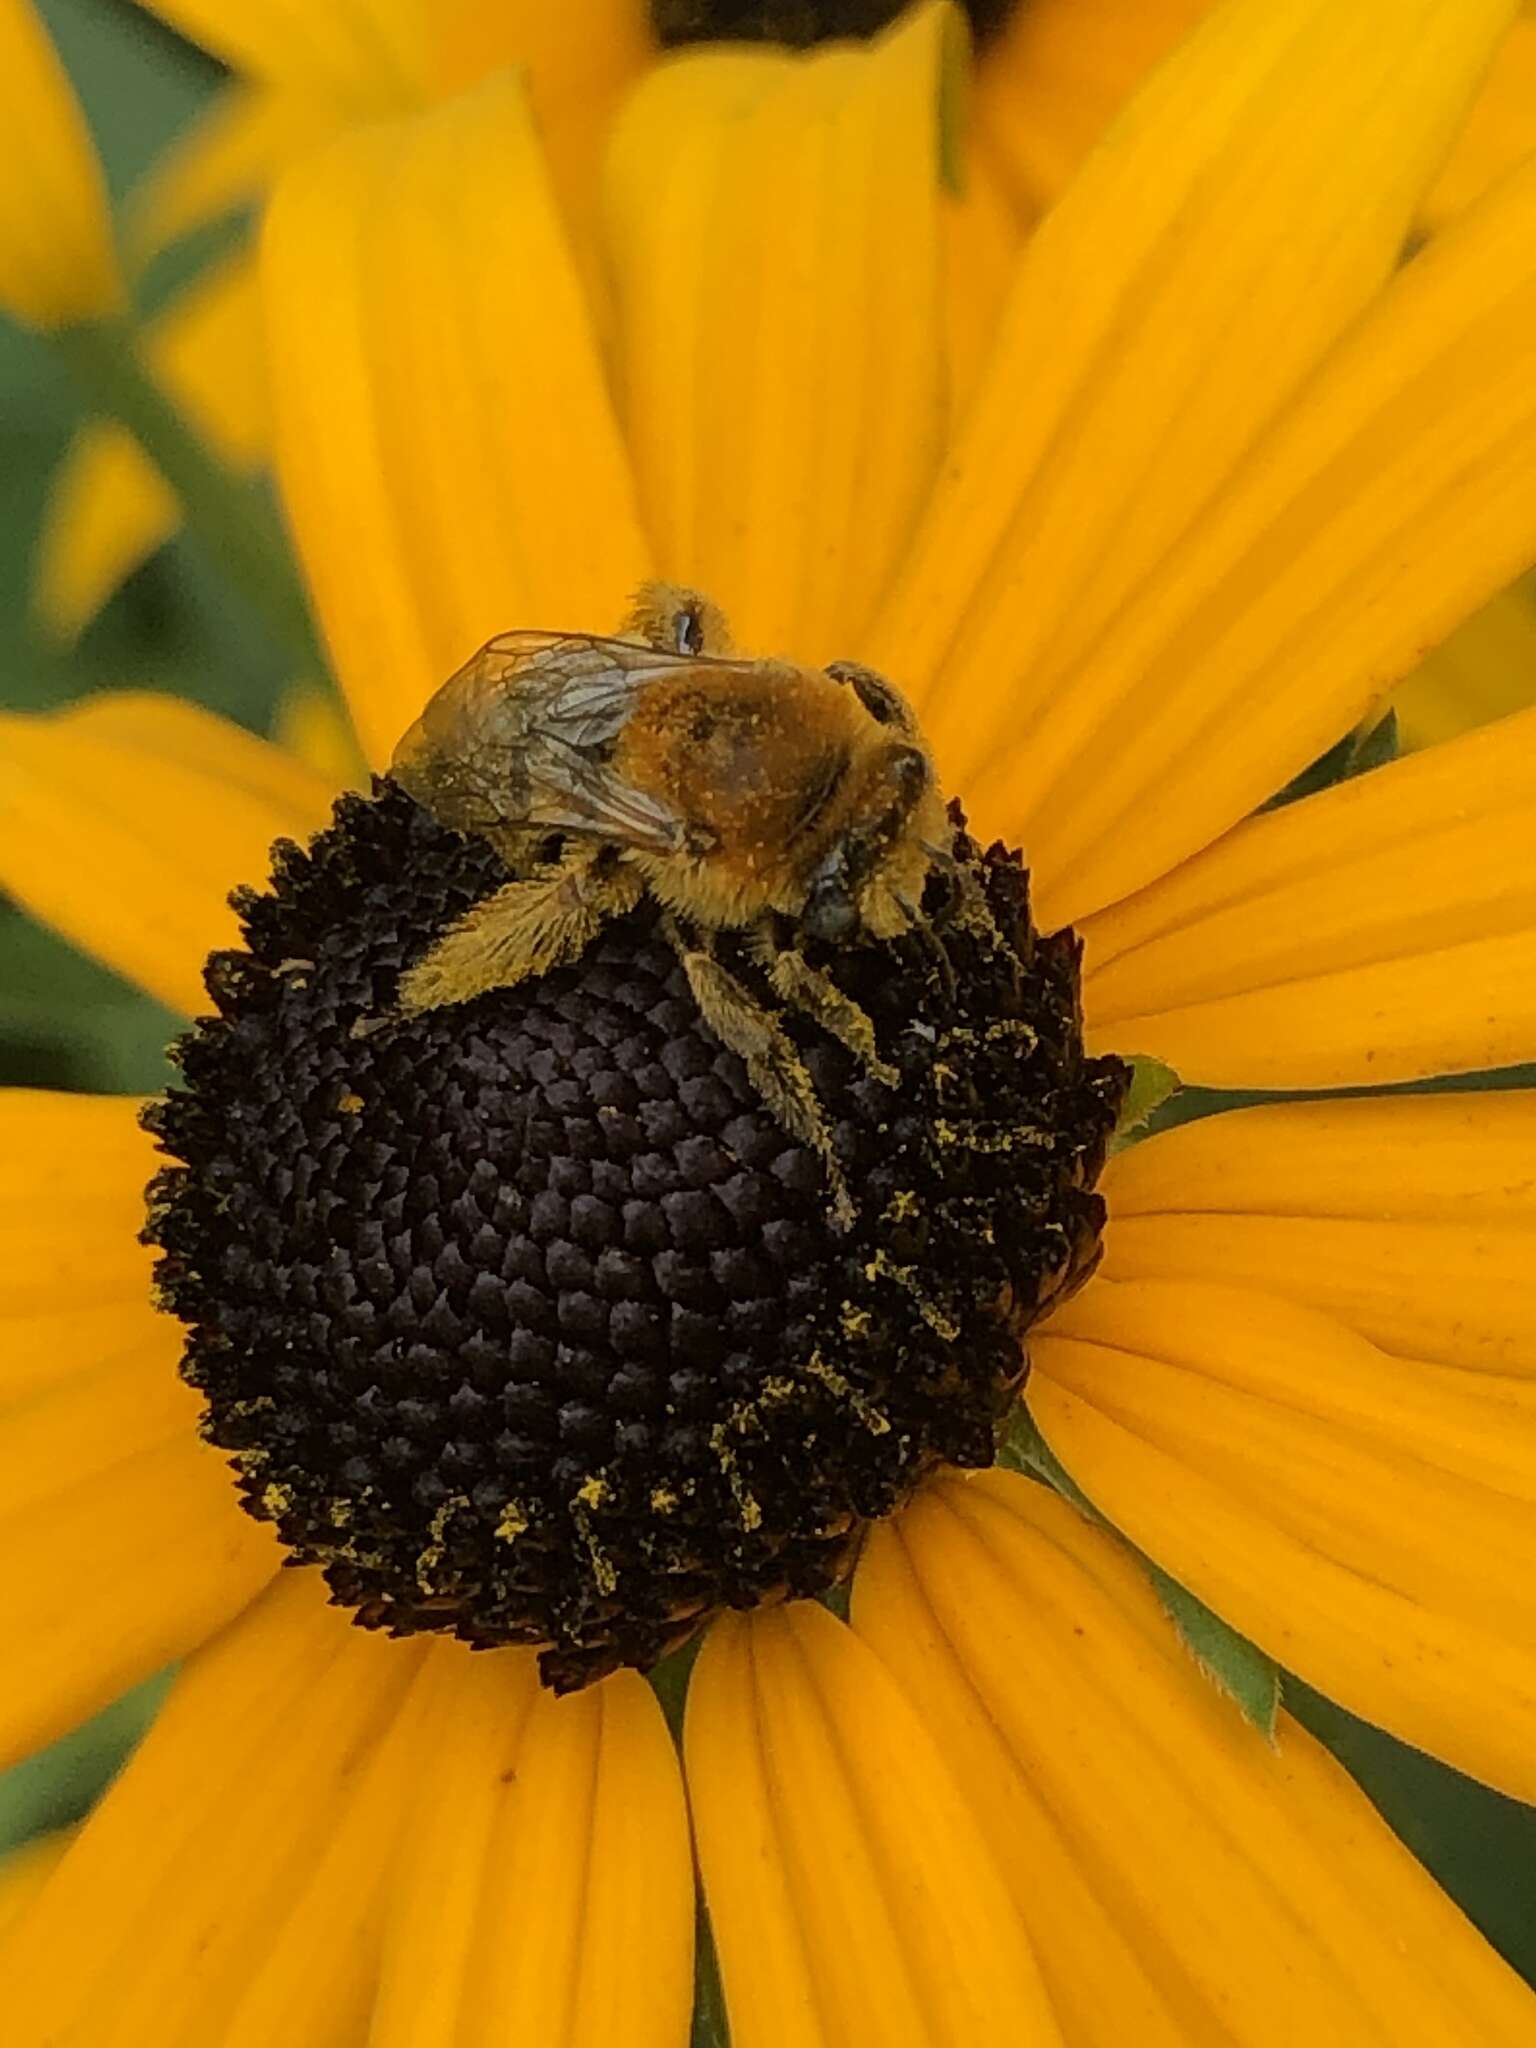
(1228, 469)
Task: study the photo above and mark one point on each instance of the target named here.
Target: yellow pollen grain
(432, 1554)
(817, 1368)
(276, 1498)
(902, 1207)
(663, 1500)
(743, 1421)
(514, 1520)
(883, 1267)
(349, 1102)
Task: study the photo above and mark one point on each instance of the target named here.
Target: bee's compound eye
(688, 629)
(909, 772)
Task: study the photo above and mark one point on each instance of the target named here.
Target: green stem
(226, 514)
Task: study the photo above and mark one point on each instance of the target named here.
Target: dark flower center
(798, 22)
(524, 1319)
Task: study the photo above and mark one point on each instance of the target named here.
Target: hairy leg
(796, 982)
(524, 929)
(773, 1066)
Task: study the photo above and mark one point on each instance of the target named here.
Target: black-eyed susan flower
(1228, 468)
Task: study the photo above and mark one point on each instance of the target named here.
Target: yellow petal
(1056, 75)
(1409, 1219)
(1231, 245)
(851, 1894)
(981, 237)
(1381, 931)
(109, 508)
(1385, 508)
(126, 821)
(310, 724)
(57, 262)
(284, 1749)
(1499, 134)
(775, 232)
(74, 1280)
(25, 1871)
(1485, 670)
(123, 1543)
(544, 1888)
(365, 56)
(1367, 1522)
(226, 158)
(578, 61)
(1187, 1883)
(110, 1579)
(446, 446)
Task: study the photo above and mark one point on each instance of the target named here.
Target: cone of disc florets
(525, 1321)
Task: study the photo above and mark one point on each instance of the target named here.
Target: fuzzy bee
(756, 796)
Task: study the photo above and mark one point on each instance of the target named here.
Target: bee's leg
(796, 982)
(773, 1066)
(524, 929)
(930, 939)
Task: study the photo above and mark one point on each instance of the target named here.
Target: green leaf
(1152, 1084)
(1023, 1449)
(1249, 1678)
(1237, 1667)
(1367, 747)
(669, 1681)
(711, 2027)
(59, 1784)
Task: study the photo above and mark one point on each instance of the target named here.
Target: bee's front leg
(526, 928)
(796, 982)
(773, 1066)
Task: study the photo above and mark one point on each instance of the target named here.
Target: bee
(752, 796)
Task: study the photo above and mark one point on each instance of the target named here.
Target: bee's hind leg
(773, 1065)
(804, 987)
(526, 928)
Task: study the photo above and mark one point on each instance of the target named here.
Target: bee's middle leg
(795, 981)
(773, 1065)
(526, 928)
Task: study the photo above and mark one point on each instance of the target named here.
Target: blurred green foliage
(67, 1023)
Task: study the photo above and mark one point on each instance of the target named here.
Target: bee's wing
(521, 738)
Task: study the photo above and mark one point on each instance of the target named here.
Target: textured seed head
(524, 1320)
(798, 22)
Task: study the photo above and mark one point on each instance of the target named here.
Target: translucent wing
(522, 738)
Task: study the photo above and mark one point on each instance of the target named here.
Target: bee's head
(894, 783)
